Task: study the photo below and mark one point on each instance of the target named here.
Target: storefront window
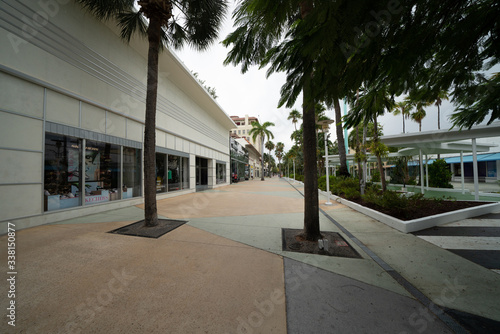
(62, 172)
(102, 172)
(491, 169)
(174, 173)
(161, 173)
(131, 172)
(221, 173)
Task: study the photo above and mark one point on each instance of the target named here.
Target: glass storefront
(65, 184)
(221, 173)
(102, 172)
(172, 173)
(239, 162)
(62, 177)
(131, 172)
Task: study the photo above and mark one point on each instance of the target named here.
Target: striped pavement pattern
(476, 239)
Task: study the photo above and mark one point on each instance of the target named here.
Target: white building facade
(72, 105)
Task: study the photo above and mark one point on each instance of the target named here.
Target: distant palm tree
(404, 108)
(270, 146)
(442, 95)
(262, 131)
(419, 113)
(295, 115)
(280, 147)
(154, 20)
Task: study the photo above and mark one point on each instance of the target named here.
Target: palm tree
(155, 21)
(295, 115)
(290, 36)
(262, 131)
(371, 104)
(280, 147)
(441, 95)
(404, 108)
(270, 147)
(419, 114)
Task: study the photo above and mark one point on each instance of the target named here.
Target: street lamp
(325, 126)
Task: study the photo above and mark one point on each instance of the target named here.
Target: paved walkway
(225, 272)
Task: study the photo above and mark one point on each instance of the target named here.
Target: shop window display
(161, 173)
(174, 173)
(62, 172)
(102, 172)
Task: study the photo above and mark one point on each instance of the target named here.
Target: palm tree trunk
(402, 113)
(262, 159)
(150, 211)
(340, 139)
(309, 148)
(379, 159)
(439, 118)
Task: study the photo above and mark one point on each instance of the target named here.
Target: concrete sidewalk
(225, 272)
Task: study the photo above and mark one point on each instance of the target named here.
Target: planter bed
(417, 224)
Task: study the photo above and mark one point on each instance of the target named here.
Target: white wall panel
(20, 132)
(93, 118)
(20, 200)
(28, 168)
(62, 109)
(20, 96)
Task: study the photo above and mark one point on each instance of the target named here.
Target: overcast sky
(254, 94)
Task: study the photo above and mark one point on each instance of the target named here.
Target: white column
(326, 165)
(420, 158)
(462, 178)
(427, 171)
(474, 166)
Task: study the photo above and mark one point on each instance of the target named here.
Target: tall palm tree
(404, 108)
(280, 147)
(262, 131)
(294, 115)
(442, 95)
(270, 146)
(419, 114)
(373, 102)
(290, 37)
(155, 21)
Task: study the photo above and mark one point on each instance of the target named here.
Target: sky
(254, 94)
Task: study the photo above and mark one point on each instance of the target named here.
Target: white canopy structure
(439, 142)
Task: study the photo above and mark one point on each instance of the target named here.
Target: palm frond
(105, 9)
(130, 23)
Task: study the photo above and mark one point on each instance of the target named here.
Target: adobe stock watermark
(371, 29)
(420, 319)
(95, 303)
(33, 24)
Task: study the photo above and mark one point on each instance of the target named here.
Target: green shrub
(352, 194)
(375, 176)
(439, 174)
(322, 182)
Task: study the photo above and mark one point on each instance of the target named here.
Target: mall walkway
(225, 271)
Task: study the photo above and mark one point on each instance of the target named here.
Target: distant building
(244, 125)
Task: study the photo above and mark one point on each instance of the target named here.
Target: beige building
(72, 105)
(244, 125)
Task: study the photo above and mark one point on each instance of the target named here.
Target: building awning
(468, 158)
